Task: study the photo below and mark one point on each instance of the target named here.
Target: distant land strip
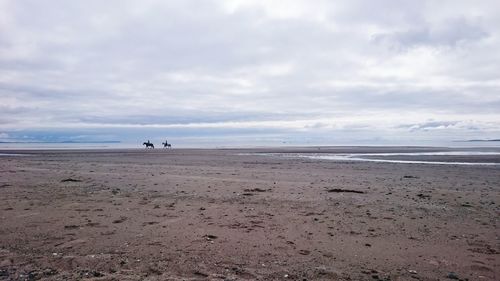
(479, 140)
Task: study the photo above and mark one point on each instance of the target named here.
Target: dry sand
(219, 215)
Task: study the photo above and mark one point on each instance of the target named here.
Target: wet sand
(187, 214)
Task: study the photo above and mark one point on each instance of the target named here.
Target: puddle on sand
(372, 157)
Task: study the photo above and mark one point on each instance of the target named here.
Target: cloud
(462, 126)
(294, 69)
(431, 125)
(450, 33)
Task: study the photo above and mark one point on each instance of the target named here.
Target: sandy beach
(230, 214)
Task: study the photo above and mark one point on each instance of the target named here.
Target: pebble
(452, 275)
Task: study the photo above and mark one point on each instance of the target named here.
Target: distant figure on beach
(148, 144)
(166, 144)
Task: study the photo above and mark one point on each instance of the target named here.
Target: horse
(166, 145)
(148, 145)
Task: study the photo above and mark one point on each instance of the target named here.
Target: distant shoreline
(55, 142)
(261, 149)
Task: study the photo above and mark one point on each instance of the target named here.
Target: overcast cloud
(300, 72)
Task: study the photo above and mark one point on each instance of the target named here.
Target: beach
(247, 214)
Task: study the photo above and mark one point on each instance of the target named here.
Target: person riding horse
(148, 144)
(166, 144)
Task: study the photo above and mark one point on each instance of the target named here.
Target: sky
(238, 72)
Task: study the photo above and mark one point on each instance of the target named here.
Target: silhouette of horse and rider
(166, 144)
(149, 144)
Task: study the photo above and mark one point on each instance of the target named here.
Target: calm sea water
(185, 143)
(28, 146)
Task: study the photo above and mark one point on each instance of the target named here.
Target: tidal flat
(248, 214)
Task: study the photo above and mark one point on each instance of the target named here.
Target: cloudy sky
(242, 72)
